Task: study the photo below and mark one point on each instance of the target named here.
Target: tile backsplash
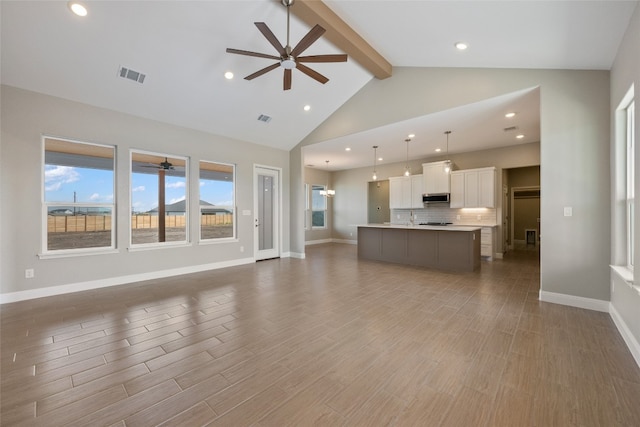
(480, 216)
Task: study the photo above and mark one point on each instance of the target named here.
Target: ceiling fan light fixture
(288, 63)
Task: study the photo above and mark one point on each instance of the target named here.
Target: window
(318, 207)
(630, 174)
(78, 196)
(159, 203)
(217, 201)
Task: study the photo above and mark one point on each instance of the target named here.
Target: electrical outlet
(457, 216)
(241, 248)
(29, 273)
(479, 217)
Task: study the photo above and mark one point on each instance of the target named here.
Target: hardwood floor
(329, 340)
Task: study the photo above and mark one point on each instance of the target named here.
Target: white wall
(625, 301)
(574, 154)
(25, 116)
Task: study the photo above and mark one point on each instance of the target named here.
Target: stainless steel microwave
(435, 198)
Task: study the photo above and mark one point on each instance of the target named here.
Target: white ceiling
(180, 46)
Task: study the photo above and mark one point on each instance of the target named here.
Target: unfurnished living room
(344, 213)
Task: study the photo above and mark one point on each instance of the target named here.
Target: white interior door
(267, 213)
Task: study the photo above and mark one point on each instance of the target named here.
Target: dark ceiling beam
(343, 36)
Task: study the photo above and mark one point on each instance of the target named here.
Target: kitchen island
(447, 247)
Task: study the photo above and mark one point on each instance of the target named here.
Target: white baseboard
(345, 241)
(115, 281)
(574, 301)
(627, 336)
(297, 255)
(317, 242)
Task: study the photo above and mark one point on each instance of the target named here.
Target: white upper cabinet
(436, 179)
(487, 188)
(457, 190)
(473, 188)
(417, 189)
(405, 192)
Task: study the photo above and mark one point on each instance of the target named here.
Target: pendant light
(447, 162)
(375, 157)
(327, 192)
(407, 170)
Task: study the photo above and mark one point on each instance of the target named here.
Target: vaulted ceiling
(180, 47)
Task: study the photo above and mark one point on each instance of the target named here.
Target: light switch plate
(568, 211)
(246, 212)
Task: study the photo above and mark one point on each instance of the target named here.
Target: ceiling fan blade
(313, 35)
(263, 71)
(268, 34)
(313, 74)
(323, 58)
(249, 53)
(287, 79)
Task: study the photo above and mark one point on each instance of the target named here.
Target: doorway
(378, 211)
(525, 212)
(267, 212)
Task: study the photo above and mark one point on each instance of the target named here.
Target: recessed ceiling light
(438, 150)
(510, 115)
(461, 45)
(228, 75)
(380, 159)
(307, 107)
(347, 149)
(77, 8)
(520, 136)
(412, 135)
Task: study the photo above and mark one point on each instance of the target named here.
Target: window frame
(630, 182)
(154, 245)
(234, 237)
(319, 188)
(45, 252)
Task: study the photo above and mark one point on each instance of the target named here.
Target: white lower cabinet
(487, 242)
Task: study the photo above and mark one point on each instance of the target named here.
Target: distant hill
(179, 208)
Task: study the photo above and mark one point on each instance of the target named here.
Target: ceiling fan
(165, 165)
(289, 58)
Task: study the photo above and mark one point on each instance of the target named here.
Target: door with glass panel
(267, 213)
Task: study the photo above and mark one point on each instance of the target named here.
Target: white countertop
(425, 227)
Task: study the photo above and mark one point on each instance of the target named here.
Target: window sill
(51, 255)
(152, 246)
(218, 241)
(626, 274)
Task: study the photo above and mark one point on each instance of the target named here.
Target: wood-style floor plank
(296, 342)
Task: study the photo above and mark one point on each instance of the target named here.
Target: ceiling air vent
(264, 118)
(128, 73)
(510, 129)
